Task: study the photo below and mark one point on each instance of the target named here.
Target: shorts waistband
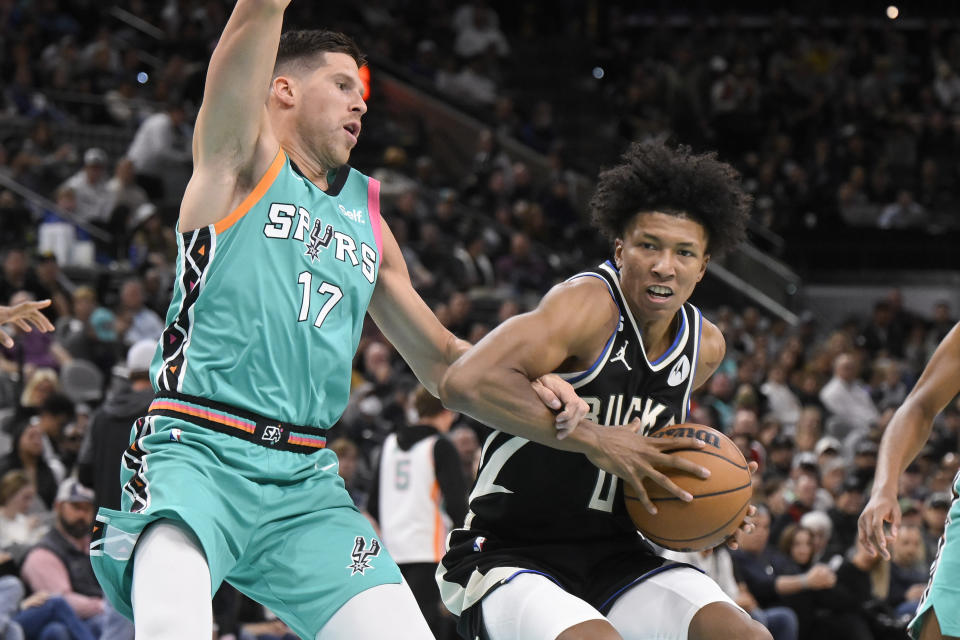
(239, 423)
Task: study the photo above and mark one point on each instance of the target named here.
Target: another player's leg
(384, 611)
(533, 607)
(682, 603)
(931, 628)
(171, 585)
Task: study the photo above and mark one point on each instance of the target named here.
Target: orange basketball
(719, 502)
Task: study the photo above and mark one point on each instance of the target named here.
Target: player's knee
(590, 630)
(724, 621)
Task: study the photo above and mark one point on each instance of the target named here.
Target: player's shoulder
(713, 346)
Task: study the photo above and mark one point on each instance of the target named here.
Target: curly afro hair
(654, 177)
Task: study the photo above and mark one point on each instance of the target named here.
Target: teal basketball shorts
(943, 591)
(274, 520)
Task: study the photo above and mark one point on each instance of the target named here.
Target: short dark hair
(655, 177)
(58, 404)
(426, 404)
(300, 48)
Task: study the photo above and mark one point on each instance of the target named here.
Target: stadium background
(487, 124)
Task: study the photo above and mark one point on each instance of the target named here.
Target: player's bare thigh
(931, 628)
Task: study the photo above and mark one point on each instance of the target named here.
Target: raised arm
(230, 147)
(906, 434)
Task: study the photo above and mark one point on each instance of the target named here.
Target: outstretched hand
(559, 395)
(23, 316)
(881, 508)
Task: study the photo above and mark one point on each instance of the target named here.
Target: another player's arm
(407, 322)
(229, 143)
(572, 323)
(712, 350)
(24, 315)
(906, 434)
(428, 347)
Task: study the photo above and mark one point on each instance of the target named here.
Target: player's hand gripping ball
(719, 503)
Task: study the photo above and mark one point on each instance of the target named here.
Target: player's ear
(703, 267)
(618, 252)
(283, 88)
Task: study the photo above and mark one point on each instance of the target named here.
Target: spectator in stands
(348, 456)
(136, 321)
(755, 565)
(109, 432)
(17, 275)
(50, 284)
(818, 523)
(60, 563)
(805, 484)
(908, 569)
(39, 386)
(471, 264)
(123, 197)
(934, 513)
(152, 240)
(467, 444)
(781, 400)
(88, 333)
(847, 399)
(843, 516)
(28, 455)
(809, 428)
(523, 269)
(90, 188)
(477, 31)
(19, 528)
(161, 147)
(37, 616)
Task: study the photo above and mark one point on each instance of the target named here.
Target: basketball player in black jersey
(547, 550)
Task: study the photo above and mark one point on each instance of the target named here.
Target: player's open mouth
(353, 128)
(659, 293)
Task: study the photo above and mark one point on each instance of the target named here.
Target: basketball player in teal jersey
(282, 251)
(547, 550)
(938, 614)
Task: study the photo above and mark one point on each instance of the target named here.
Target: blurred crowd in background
(846, 123)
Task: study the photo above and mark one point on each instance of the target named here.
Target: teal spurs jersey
(268, 303)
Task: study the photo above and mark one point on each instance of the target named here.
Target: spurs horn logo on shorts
(362, 554)
(272, 434)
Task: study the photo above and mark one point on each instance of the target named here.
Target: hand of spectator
(881, 508)
(23, 316)
(5, 557)
(34, 600)
(632, 457)
(820, 576)
(747, 526)
(559, 395)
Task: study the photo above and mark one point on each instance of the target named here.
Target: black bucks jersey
(528, 496)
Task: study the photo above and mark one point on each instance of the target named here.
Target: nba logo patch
(175, 435)
(478, 543)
